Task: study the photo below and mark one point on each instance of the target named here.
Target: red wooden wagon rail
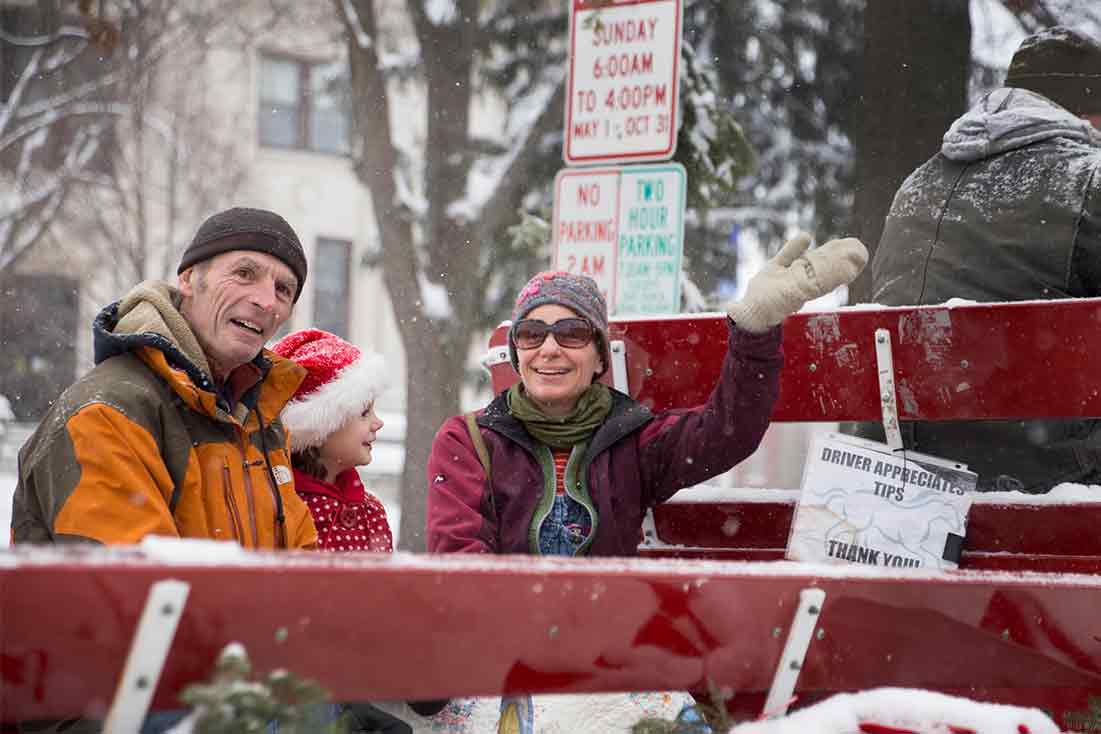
(709, 601)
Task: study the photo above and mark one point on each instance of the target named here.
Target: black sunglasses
(568, 333)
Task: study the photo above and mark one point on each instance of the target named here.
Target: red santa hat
(340, 382)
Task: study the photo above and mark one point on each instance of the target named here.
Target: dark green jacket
(1009, 210)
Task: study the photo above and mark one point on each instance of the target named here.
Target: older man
(176, 430)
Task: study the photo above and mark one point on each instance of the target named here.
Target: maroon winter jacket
(635, 459)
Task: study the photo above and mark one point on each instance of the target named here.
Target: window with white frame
(303, 105)
(332, 272)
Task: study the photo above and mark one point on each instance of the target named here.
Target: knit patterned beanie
(340, 381)
(1061, 64)
(579, 293)
(242, 228)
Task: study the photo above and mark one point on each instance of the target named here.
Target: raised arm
(681, 448)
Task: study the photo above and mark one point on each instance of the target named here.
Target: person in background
(1008, 210)
(333, 425)
(561, 464)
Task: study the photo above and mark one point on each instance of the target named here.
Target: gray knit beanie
(1061, 64)
(579, 293)
(242, 228)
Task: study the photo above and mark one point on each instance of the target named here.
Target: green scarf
(561, 433)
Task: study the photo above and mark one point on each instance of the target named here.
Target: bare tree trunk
(916, 64)
(442, 250)
(447, 52)
(377, 166)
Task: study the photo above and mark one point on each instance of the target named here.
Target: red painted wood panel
(1010, 360)
(372, 628)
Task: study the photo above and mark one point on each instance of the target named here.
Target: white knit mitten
(792, 278)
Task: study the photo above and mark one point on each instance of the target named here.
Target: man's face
(1094, 120)
(234, 303)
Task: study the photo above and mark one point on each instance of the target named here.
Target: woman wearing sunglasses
(561, 464)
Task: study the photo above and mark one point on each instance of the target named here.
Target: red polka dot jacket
(347, 516)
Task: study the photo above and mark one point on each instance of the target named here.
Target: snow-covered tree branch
(116, 141)
(50, 136)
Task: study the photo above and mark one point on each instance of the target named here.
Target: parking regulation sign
(624, 227)
(623, 81)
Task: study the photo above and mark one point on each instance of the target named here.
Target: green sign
(624, 227)
(650, 239)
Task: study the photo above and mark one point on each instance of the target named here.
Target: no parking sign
(624, 227)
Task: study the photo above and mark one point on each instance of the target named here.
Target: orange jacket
(142, 445)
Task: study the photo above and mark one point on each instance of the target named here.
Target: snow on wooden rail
(1030, 534)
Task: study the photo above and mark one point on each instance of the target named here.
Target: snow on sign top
(623, 81)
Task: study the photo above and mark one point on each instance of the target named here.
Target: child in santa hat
(332, 423)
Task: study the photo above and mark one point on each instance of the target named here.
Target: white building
(256, 114)
(246, 107)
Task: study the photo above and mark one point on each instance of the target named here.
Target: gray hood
(1009, 118)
